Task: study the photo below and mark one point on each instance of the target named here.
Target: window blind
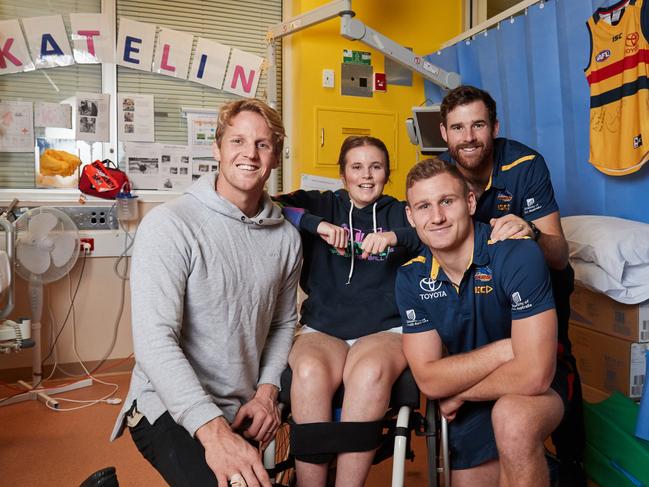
(17, 168)
(238, 24)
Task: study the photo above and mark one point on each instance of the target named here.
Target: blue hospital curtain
(533, 67)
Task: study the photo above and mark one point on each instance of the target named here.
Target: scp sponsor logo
(603, 55)
(482, 289)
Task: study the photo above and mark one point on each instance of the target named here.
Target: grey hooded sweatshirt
(213, 297)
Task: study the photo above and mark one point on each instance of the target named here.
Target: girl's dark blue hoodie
(348, 301)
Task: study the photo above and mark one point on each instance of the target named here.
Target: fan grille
(47, 244)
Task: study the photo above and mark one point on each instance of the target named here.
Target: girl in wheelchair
(354, 241)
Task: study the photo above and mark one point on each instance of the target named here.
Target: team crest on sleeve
(531, 205)
(412, 318)
(518, 303)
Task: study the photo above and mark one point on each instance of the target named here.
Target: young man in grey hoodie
(213, 287)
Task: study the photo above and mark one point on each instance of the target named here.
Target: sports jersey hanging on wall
(618, 75)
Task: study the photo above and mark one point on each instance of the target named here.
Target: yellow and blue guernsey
(506, 281)
(617, 73)
(519, 184)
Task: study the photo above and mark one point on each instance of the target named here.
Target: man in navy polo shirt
(515, 196)
(480, 334)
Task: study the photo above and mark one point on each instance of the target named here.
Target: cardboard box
(599, 312)
(608, 363)
(593, 395)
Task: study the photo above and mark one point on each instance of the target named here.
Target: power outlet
(87, 217)
(90, 243)
(327, 78)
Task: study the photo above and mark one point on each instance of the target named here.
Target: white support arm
(356, 30)
(307, 19)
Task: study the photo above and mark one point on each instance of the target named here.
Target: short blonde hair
(231, 109)
(434, 166)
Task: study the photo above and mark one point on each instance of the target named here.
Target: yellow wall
(422, 25)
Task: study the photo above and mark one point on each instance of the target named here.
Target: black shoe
(571, 474)
(106, 477)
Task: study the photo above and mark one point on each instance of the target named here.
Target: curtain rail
(510, 12)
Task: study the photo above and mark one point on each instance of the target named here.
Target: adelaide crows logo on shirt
(503, 199)
(483, 274)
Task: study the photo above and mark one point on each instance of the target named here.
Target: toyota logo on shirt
(429, 285)
(432, 289)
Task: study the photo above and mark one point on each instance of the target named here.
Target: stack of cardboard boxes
(609, 340)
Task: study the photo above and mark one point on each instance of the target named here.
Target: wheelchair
(402, 419)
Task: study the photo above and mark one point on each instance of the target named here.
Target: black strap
(326, 438)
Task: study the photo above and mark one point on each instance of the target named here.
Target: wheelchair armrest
(285, 391)
(405, 391)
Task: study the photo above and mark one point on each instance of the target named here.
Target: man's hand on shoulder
(259, 418)
(509, 226)
(228, 454)
(549, 235)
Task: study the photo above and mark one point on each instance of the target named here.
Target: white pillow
(618, 246)
(597, 279)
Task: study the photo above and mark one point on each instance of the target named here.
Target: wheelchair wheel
(283, 474)
(436, 432)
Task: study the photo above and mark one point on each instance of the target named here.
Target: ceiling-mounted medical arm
(291, 26)
(307, 19)
(355, 30)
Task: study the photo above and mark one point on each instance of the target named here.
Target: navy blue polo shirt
(519, 184)
(505, 281)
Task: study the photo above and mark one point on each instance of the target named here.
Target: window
(50, 85)
(241, 25)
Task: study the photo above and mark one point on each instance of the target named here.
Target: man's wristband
(536, 233)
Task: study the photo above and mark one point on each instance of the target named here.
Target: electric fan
(47, 248)
(14, 336)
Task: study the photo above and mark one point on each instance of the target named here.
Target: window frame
(109, 149)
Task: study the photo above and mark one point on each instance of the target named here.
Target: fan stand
(39, 223)
(40, 393)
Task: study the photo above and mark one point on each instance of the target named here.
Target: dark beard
(472, 164)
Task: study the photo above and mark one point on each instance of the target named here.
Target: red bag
(97, 179)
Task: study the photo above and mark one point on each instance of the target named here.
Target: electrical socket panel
(86, 217)
(327, 78)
